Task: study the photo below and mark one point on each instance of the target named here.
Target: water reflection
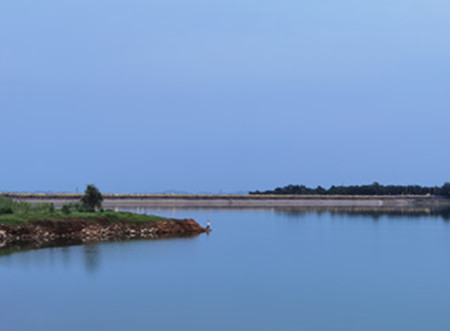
(66, 256)
(91, 254)
(373, 213)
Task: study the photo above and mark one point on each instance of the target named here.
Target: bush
(78, 207)
(51, 208)
(65, 209)
(7, 204)
(42, 208)
(6, 210)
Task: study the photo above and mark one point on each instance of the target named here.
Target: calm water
(258, 270)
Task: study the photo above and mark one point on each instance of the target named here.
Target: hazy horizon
(222, 96)
(81, 190)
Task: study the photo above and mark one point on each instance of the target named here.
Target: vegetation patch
(18, 213)
(89, 209)
(362, 190)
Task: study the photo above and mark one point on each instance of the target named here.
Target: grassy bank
(17, 213)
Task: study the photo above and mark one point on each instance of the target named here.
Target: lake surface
(258, 270)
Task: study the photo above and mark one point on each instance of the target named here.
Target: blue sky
(222, 96)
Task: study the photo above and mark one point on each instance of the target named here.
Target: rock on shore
(45, 233)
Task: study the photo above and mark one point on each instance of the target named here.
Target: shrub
(6, 202)
(65, 209)
(78, 207)
(6, 210)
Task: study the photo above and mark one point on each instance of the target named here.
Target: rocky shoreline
(46, 233)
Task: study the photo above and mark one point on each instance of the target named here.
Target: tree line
(372, 189)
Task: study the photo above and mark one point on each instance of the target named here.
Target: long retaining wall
(227, 201)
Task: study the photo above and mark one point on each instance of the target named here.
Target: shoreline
(43, 233)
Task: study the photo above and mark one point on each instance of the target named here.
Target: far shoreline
(163, 201)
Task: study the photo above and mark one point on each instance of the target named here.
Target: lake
(257, 270)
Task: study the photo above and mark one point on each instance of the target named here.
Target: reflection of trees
(445, 214)
(91, 257)
(65, 253)
(373, 213)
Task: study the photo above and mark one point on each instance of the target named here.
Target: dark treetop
(373, 189)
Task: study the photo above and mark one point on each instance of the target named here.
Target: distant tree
(445, 190)
(92, 198)
(320, 190)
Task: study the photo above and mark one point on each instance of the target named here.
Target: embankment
(131, 201)
(49, 233)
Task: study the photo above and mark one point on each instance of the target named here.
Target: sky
(222, 96)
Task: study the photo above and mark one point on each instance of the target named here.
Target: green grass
(23, 213)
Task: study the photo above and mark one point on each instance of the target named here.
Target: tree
(445, 190)
(92, 198)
